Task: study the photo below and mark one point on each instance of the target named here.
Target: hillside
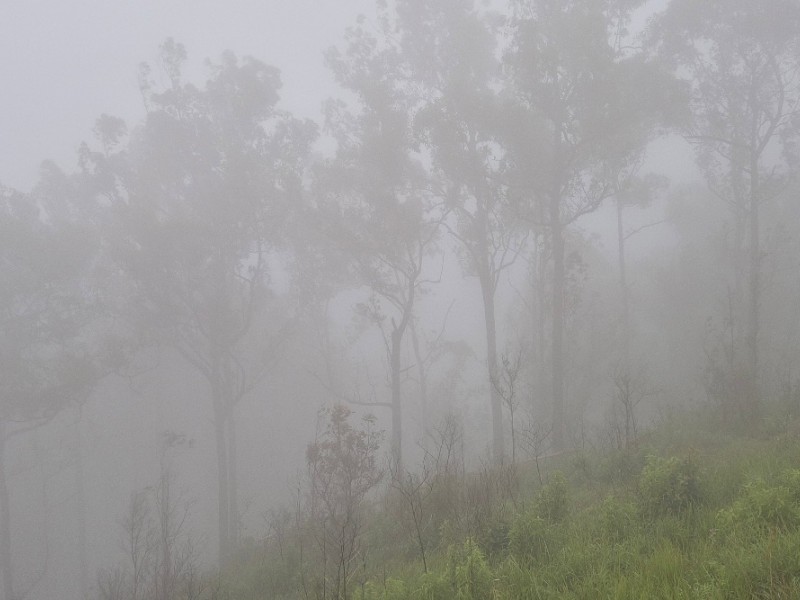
(695, 511)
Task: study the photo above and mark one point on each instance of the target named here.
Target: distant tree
(632, 189)
(582, 104)
(198, 199)
(343, 467)
(68, 199)
(739, 59)
(507, 383)
(376, 201)
(451, 52)
(162, 561)
(48, 358)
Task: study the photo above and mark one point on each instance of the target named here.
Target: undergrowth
(687, 516)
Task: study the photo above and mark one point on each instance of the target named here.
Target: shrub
(552, 502)
(391, 589)
(764, 506)
(470, 576)
(532, 539)
(668, 486)
(433, 586)
(494, 540)
(617, 519)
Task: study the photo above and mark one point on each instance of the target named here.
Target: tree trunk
(80, 490)
(222, 479)
(488, 288)
(6, 567)
(754, 284)
(542, 262)
(557, 233)
(423, 377)
(397, 409)
(498, 441)
(623, 284)
(233, 493)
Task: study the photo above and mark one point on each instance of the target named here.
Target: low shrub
(617, 519)
(469, 574)
(533, 539)
(761, 505)
(668, 486)
(552, 501)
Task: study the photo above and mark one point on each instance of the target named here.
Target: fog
(513, 230)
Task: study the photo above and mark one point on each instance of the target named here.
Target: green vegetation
(688, 514)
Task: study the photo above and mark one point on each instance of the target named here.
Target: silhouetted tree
(375, 199)
(451, 51)
(343, 467)
(739, 59)
(47, 361)
(199, 198)
(582, 104)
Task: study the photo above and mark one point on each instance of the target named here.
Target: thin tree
(374, 196)
(582, 106)
(739, 60)
(451, 53)
(197, 199)
(343, 467)
(46, 359)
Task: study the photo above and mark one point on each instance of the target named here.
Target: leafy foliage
(669, 486)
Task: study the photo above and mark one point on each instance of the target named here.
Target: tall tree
(377, 200)
(198, 199)
(46, 358)
(451, 51)
(582, 103)
(740, 61)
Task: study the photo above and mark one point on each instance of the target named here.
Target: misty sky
(67, 62)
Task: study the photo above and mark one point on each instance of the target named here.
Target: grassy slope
(693, 513)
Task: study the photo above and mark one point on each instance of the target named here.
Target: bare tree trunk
(6, 567)
(488, 284)
(557, 233)
(623, 284)
(233, 493)
(80, 509)
(165, 528)
(222, 479)
(423, 377)
(755, 282)
(541, 311)
(498, 441)
(397, 408)
(740, 211)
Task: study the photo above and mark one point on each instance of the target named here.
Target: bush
(433, 586)
(768, 568)
(617, 519)
(470, 576)
(668, 486)
(765, 506)
(552, 502)
(494, 540)
(532, 539)
(391, 589)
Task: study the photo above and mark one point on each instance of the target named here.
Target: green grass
(693, 514)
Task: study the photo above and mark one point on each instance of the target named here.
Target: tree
(451, 51)
(582, 104)
(740, 62)
(342, 469)
(375, 200)
(67, 199)
(506, 383)
(162, 560)
(46, 358)
(198, 199)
